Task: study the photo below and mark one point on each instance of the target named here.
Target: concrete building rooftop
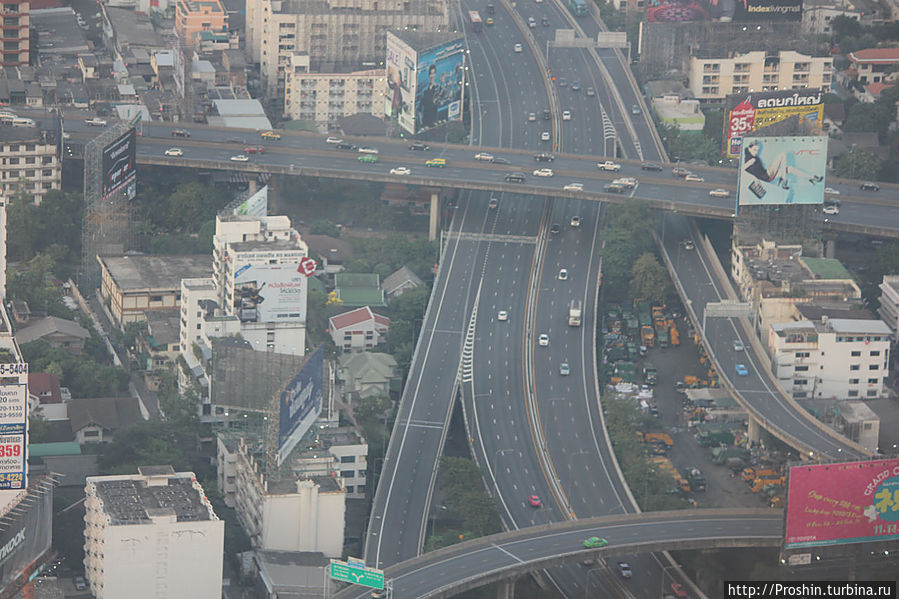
(858, 327)
(134, 29)
(132, 273)
(58, 32)
(826, 268)
(313, 7)
(128, 501)
(254, 246)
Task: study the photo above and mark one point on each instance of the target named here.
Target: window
(349, 489)
(155, 298)
(855, 354)
(91, 433)
(800, 382)
(853, 381)
(802, 354)
(347, 459)
(875, 352)
(854, 367)
(348, 473)
(47, 172)
(802, 369)
(874, 367)
(853, 393)
(872, 393)
(873, 381)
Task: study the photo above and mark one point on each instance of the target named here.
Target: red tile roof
(357, 316)
(875, 89)
(44, 386)
(875, 55)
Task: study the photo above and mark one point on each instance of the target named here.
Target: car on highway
(543, 172)
(544, 21)
(502, 315)
(566, 115)
(95, 122)
(693, 177)
(180, 133)
(240, 158)
(563, 274)
(346, 146)
(534, 501)
(483, 156)
(741, 370)
(544, 157)
(515, 177)
(174, 152)
(490, 22)
(532, 22)
(419, 147)
(595, 543)
(624, 569)
(575, 222)
(635, 109)
(628, 182)
(400, 170)
(532, 117)
(378, 594)
(830, 209)
(270, 135)
(678, 589)
(368, 158)
(543, 340)
(679, 171)
(868, 186)
(80, 583)
(832, 191)
(555, 228)
(687, 244)
(517, 48)
(563, 82)
(574, 187)
(564, 370)
(254, 150)
(615, 188)
(575, 86)
(651, 166)
(544, 136)
(436, 162)
(493, 203)
(719, 193)
(333, 141)
(609, 166)
(591, 91)
(368, 150)
(499, 160)
(738, 345)
(547, 115)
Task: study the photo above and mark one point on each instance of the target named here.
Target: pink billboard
(851, 502)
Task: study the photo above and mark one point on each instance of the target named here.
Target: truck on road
(574, 313)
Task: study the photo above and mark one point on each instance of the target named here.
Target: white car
(240, 158)
(502, 315)
(563, 274)
(483, 156)
(517, 48)
(367, 150)
(831, 209)
(738, 345)
(544, 136)
(400, 170)
(543, 340)
(693, 177)
(543, 172)
(566, 115)
(334, 141)
(575, 222)
(95, 122)
(174, 152)
(564, 370)
(719, 193)
(609, 166)
(532, 117)
(574, 187)
(832, 191)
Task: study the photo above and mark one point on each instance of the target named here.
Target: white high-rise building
(150, 535)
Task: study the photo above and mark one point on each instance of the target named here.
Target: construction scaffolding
(107, 223)
(787, 224)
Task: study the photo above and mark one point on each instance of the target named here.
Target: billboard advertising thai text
(837, 504)
(270, 292)
(725, 11)
(748, 113)
(401, 80)
(300, 404)
(120, 164)
(13, 425)
(25, 533)
(782, 170)
(438, 92)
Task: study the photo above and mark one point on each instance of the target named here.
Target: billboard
(119, 164)
(438, 92)
(837, 504)
(725, 11)
(270, 292)
(300, 404)
(749, 113)
(25, 533)
(255, 205)
(13, 425)
(782, 170)
(400, 99)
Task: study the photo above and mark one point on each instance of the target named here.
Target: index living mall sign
(356, 573)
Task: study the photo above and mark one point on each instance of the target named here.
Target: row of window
(850, 393)
(28, 159)
(28, 174)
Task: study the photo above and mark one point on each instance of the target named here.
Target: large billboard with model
(837, 504)
(782, 170)
(400, 99)
(270, 292)
(752, 112)
(25, 532)
(725, 11)
(300, 404)
(438, 94)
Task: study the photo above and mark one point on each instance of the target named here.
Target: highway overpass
(505, 556)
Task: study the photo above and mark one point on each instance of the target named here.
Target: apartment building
(15, 33)
(152, 534)
(29, 162)
(335, 35)
(872, 65)
(325, 97)
(338, 451)
(288, 512)
(196, 16)
(889, 303)
(713, 78)
(831, 358)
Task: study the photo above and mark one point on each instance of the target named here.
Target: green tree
(36, 283)
(190, 206)
(862, 117)
(714, 125)
(858, 164)
(324, 227)
(649, 279)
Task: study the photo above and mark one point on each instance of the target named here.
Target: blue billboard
(782, 170)
(300, 404)
(438, 93)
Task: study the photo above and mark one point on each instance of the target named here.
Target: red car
(254, 150)
(534, 501)
(678, 589)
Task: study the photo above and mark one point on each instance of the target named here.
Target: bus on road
(475, 19)
(578, 7)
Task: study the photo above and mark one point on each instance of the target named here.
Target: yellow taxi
(270, 135)
(436, 162)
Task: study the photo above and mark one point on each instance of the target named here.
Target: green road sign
(368, 577)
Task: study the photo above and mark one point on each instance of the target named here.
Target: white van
(22, 122)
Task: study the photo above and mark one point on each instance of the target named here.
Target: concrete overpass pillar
(254, 185)
(505, 589)
(434, 224)
(755, 431)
